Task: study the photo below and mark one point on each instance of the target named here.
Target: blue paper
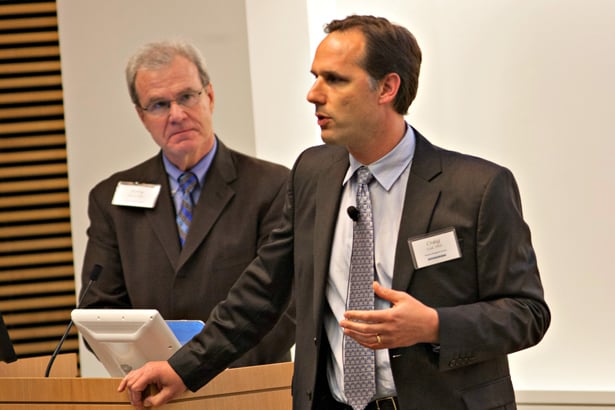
(184, 330)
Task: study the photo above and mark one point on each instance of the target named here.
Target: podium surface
(263, 387)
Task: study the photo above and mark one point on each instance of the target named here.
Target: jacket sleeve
(253, 306)
(276, 345)
(509, 312)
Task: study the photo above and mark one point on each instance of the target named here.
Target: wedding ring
(378, 339)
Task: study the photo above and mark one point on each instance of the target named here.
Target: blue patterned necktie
(187, 182)
(359, 362)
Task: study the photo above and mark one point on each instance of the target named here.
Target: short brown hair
(390, 48)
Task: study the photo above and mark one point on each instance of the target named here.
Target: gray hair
(157, 55)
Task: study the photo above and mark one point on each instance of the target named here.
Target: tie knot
(187, 182)
(364, 176)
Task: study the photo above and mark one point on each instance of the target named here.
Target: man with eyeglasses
(179, 246)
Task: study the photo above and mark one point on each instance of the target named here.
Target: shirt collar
(200, 169)
(388, 168)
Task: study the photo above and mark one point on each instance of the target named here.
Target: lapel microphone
(94, 274)
(353, 213)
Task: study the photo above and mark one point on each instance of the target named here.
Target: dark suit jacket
(143, 265)
(490, 301)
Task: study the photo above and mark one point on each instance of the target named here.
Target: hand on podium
(159, 374)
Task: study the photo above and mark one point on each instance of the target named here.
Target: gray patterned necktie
(187, 183)
(359, 364)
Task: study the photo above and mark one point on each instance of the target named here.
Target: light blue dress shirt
(200, 170)
(387, 194)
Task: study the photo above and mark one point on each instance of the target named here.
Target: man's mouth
(322, 119)
(179, 133)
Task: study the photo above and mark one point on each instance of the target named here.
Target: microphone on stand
(94, 274)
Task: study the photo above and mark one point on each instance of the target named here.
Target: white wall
(527, 84)
(279, 65)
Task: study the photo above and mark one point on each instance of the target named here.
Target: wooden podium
(255, 387)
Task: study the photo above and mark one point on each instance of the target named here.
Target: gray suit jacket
(490, 301)
(143, 264)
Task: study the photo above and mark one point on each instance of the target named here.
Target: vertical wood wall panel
(37, 289)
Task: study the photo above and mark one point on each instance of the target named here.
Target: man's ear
(209, 90)
(389, 86)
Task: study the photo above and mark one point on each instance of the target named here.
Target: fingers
(159, 374)
(384, 328)
(370, 339)
(386, 293)
(122, 385)
(164, 396)
(379, 290)
(130, 384)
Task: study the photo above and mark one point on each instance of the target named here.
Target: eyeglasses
(187, 99)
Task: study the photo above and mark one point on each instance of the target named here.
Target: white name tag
(136, 194)
(435, 247)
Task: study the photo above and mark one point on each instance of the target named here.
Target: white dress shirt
(387, 192)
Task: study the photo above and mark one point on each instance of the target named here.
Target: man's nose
(176, 110)
(315, 94)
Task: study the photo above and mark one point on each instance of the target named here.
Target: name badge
(136, 194)
(435, 247)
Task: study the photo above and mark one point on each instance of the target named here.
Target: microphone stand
(93, 277)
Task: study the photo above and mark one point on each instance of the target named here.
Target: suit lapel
(328, 196)
(419, 204)
(162, 217)
(215, 195)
